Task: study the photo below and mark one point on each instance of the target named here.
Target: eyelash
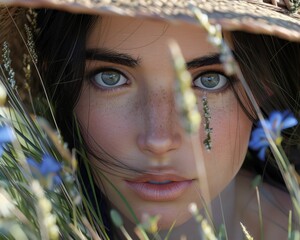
(92, 77)
(229, 81)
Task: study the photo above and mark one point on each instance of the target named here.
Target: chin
(168, 217)
(166, 223)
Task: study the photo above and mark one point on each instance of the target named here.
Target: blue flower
(47, 171)
(6, 136)
(277, 122)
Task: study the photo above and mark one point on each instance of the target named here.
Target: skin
(137, 123)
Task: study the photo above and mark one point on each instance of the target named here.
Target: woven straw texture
(274, 17)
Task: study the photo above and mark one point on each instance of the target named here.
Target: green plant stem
(17, 232)
(261, 225)
(39, 212)
(290, 226)
(201, 171)
(38, 72)
(223, 217)
(125, 233)
(170, 230)
(288, 174)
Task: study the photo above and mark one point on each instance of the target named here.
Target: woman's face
(129, 119)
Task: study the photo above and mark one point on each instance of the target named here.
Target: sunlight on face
(128, 117)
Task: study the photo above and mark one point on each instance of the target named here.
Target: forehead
(133, 35)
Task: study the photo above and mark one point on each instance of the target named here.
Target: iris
(47, 171)
(6, 136)
(277, 122)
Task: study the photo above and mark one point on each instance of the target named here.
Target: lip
(168, 187)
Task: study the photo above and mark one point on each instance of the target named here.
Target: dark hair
(61, 49)
(60, 46)
(271, 67)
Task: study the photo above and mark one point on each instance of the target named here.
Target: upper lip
(158, 178)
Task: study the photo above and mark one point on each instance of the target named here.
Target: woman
(113, 76)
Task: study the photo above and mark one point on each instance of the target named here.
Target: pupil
(210, 80)
(110, 78)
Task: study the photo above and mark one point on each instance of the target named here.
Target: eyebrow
(106, 55)
(204, 61)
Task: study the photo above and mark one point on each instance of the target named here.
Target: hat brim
(246, 15)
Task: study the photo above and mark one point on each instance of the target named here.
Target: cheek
(231, 131)
(104, 126)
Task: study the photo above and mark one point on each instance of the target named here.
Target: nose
(160, 133)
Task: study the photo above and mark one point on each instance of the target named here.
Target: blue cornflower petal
(275, 120)
(262, 153)
(34, 168)
(258, 139)
(6, 134)
(258, 133)
(260, 128)
(32, 163)
(290, 121)
(1, 150)
(57, 180)
(276, 123)
(255, 145)
(49, 165)
(47, 171)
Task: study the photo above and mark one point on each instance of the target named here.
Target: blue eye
(109, 79)
(211, 81)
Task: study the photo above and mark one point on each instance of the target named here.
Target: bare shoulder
(275, 205)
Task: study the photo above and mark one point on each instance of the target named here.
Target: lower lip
(159, 192)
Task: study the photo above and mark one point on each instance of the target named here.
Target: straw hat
(280, 18)
(273, 17)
